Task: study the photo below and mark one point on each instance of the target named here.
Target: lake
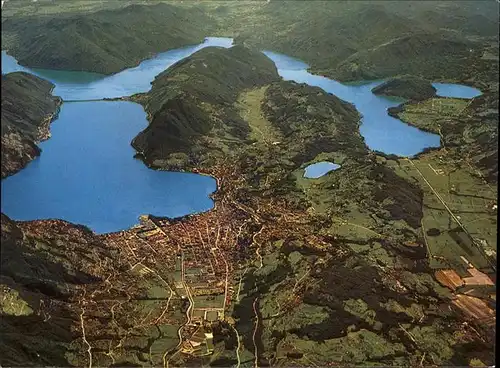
(455, 90)
(87, 174)
(381, 132)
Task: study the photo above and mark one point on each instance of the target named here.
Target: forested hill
(105, 41)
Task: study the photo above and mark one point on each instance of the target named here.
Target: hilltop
(105, 41)
(190, 105)
(28, 107)
(408, 87)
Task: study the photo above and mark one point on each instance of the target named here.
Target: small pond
(319, 169)
(455, 90)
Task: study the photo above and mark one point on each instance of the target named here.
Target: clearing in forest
(249, 102)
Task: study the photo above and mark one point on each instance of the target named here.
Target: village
(201, 259)
(202, 255)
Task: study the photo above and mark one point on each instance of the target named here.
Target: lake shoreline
(136, 98)
(27, 148)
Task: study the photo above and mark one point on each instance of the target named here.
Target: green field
(431, 114)
(468, 198)
(208, 301)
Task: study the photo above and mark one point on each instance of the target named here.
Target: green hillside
(332, 36)
(325, 33)
(106, 41)
(430, 56)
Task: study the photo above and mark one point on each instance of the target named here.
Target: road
(239, 285)
(188, 293)
(226, 287)
(345, 222)
(239, 346)
(257, 321)
(188, 314)
(257, 249)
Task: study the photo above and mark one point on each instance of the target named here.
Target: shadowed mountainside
(28, 108)
(39, 281)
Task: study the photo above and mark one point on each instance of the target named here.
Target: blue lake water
(87, 174)
(455, 90)
(319, 169)
(380, 131)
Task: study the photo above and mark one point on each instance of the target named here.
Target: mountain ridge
(105, 41)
